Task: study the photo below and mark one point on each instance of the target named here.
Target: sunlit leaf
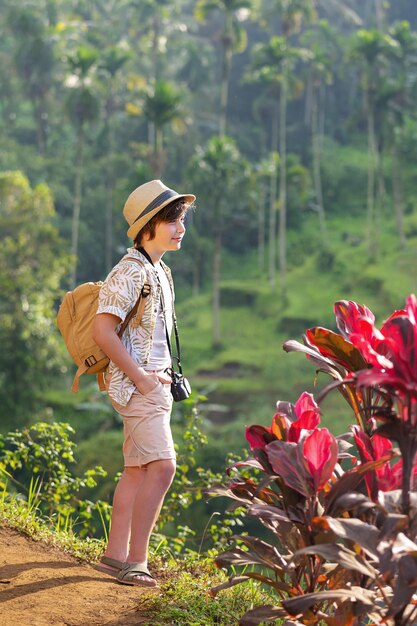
(336, 348)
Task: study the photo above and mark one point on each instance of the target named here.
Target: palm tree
(370, 49)
(111, 62)
(264, 173)
(272, 64)
(338, 11)
(322, 41)
(233, 39)
(82, 107)
(400, 107)
(35, 63)
(162, 107)
(220, 176)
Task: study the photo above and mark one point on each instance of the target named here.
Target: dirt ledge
(41, 585)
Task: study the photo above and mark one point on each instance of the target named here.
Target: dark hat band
(168, 193)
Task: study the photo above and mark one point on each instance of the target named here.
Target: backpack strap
(137, 310)
(140, 302)
(101, 381)
(81, 370)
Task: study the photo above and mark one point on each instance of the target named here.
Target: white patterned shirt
(118, 295)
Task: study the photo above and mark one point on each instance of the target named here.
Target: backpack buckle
(146, 290)
(90, 361)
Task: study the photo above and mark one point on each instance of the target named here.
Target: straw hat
(145, 201)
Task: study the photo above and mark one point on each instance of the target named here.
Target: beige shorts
(146, 427)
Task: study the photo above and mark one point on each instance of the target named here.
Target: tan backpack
(75, 321)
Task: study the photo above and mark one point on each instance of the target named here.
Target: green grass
(15, 513)
(186, 599)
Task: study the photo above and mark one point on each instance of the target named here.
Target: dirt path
(41, 585)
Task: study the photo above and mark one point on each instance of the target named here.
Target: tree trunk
(38, 113)
(157, 157)
(283, 184)
(379, 13)
(76, 211)
(380, 195)
(155, 47)
(316, 141)
(224, 95)
(397, 185)
(321, 115)
(196, 277)
(216, 289)
(371, 179)
(261, 228)
(308, 99)
(273, 201)
(108, 254)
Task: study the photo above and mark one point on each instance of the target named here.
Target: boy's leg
(148, 502)
(130, 482)
(138, 499)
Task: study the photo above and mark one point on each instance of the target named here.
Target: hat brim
(140, 223)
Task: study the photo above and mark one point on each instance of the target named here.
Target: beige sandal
(128, 575)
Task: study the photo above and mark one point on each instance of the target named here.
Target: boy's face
(168, 236)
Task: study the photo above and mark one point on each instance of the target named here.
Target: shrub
(343, 528)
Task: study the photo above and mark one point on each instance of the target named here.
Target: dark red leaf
(286, 461)
(365, 535)
(267, 613)
(348, 482)
(406, 584)
(337, 553)
(233, 580)
(300, 604)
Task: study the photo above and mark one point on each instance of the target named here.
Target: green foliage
(33, 261)
(39, 459)
(162, 103)
(219, 172)
(187, 491)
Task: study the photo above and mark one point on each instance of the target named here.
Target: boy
(137, 384)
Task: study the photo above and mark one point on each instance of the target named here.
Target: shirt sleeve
(120, 291)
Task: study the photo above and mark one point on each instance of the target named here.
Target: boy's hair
(170, 213)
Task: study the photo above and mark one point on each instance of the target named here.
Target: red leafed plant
(341, 544)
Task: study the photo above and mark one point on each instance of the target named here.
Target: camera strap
(174, 317)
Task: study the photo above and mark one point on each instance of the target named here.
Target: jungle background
(292, 121)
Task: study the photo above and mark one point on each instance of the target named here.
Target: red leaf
(320, 451)
(349, 315)
(308, 414)
(258, 436)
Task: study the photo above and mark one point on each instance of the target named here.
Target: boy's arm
(104, 334)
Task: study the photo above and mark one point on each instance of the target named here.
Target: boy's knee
(164, 471)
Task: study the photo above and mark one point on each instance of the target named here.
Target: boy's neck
(154, 255)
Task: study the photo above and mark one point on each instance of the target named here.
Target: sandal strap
(130, 570)
(106, 560)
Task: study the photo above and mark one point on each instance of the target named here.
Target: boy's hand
(165, 378)
(146, 382)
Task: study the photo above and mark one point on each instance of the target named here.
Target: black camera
(180, 387)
